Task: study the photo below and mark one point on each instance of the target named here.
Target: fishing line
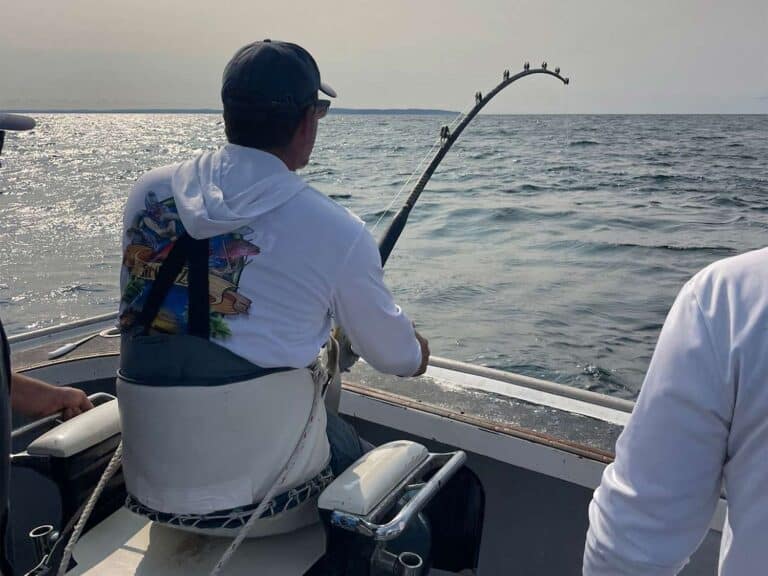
(459, 117)
(405, 185)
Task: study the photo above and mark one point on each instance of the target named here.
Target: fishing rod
(347, 357)
(447, 138)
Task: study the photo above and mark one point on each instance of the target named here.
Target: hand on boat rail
(96, 399)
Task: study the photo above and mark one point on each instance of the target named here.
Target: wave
(508, 214)
(523, 188)
(607, 247)
(565, 168)
(483, 154)
(577, 143)
(706, 138)
(454, 294)
(75, 288)
(676, 248)
(734, 201)
(664, 178)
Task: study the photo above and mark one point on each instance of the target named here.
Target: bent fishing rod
(347, 357)
(447, 138)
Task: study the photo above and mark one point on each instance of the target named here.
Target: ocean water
(552, 246)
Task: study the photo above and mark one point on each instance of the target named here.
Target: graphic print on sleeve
(151, 237)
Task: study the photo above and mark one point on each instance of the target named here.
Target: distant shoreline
(361, 112)
(395, 111)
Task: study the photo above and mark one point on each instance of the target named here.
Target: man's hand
(347, 356)
(35, 398)
(424, 343)
(69, 401)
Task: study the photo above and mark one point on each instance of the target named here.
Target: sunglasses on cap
(321, 108)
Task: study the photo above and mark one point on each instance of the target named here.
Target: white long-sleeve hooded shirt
(286, 260)
(700, 423)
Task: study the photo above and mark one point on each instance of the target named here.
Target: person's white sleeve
(656, 500)
(377, 328)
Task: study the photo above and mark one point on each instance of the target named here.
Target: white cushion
(364, 484)
(202, 449)
(79, 433)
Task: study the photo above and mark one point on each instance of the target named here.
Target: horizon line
(371, 111)
(165, 110)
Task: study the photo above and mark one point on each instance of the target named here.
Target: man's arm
(377, 328)
(656, 500)
(35, 398)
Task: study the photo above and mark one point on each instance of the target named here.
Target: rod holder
(42, 538)
(404, 564)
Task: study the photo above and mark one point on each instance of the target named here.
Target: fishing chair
(362, 511)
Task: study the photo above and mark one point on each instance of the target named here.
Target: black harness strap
(185, 249)
(199, 300)
(168, 372)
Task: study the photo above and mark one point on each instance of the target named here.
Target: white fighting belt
(201, 449)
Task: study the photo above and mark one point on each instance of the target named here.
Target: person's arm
(656, 500)
(36, 398)
(377, 328)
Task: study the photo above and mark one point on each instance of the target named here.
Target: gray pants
(346, 444)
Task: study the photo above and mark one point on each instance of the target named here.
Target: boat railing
(529, 382)
(535, 384)
(32, 334)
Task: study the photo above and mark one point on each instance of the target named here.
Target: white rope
(281, 478)
(109, 471)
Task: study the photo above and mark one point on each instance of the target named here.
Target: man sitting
(218, 361)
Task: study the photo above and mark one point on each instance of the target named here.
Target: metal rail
(535, 384)
(448, 465)
(439, 362)
(24, 336)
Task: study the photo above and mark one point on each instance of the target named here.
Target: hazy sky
(622, 56)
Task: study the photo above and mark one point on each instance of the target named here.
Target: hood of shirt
(220, 191)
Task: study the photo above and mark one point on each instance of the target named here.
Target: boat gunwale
(399, 400)
(602, 456)
(58, 328)
(562, 390)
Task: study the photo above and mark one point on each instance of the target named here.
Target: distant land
(401, 111)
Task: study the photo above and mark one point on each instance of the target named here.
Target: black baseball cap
(16, 122)
(272, 75)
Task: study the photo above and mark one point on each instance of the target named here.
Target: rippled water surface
(547, 245)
